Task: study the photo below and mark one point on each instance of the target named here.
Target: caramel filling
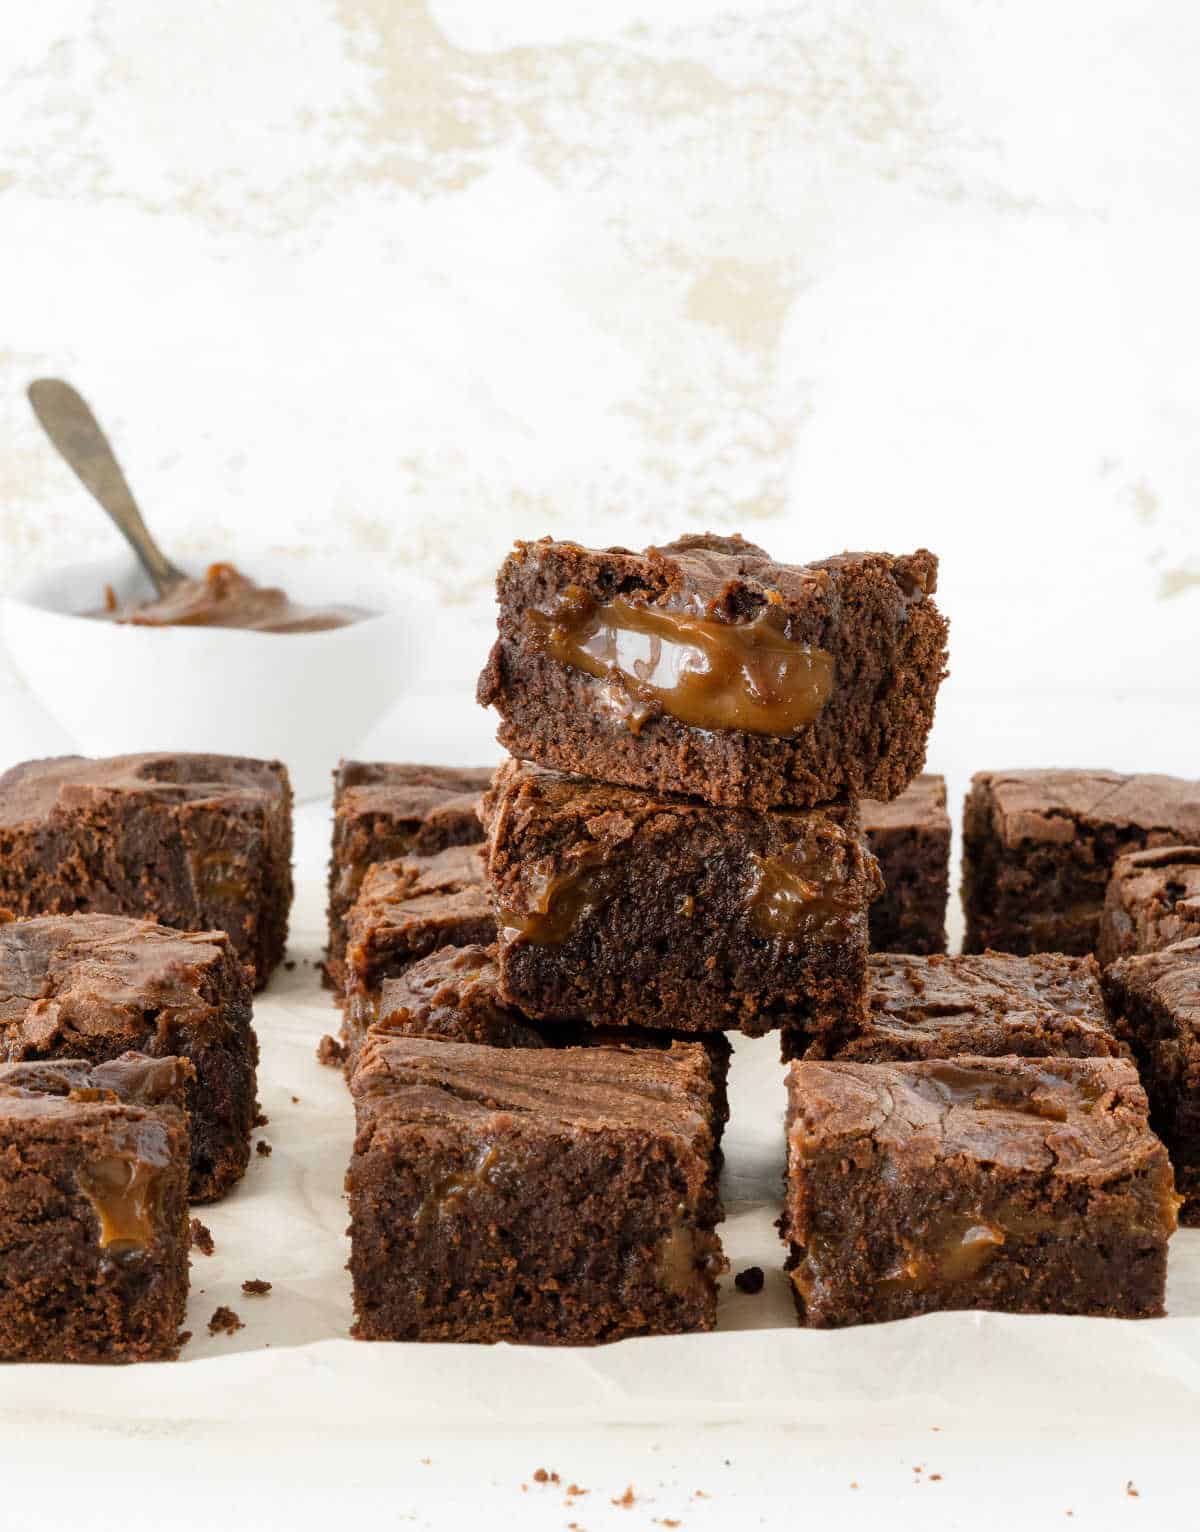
(711, 675)
(125, 1194)
(951, 1249)
(788, 898)
(449, 1195)
(559, 902)
(681, 1262)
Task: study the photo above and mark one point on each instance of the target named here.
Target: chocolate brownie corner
(97, 986)
(910, 838)
(1038, 847)
(1155, 1000)
(1152, 901)
(93, 1210)
(383, 811)
(195, 842)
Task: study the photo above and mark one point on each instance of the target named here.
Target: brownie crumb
(201, 1237)
(933, 1476)
(184, 1335)
(544, 1477)
(290, 965)
(224, 1322)
(1130, 1490)
(262, 1147)
(750, 1281)
(576, 1489)
(295, 1100)
(256, 1287)
(331, 1052)
(628, 1499)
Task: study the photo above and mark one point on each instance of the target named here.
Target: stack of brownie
(140, 899)
(675, 851)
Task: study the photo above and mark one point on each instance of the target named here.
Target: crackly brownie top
(921, 806)
(413, 877)
(1081, 1119)
(1169, 978)
(989, 1004)
(65, 977)
(404, 791)
(728, 578)
(32, 791)
(430, 1081)
(453, 993)
(1050, 805)
(65, 1087)
(1167, 877)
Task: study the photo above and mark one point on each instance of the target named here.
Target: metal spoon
(69, 423)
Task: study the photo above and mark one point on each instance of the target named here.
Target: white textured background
(413, 278)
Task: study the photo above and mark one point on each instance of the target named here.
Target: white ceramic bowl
(303, 698)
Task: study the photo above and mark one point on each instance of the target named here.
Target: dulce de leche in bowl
(225, 598)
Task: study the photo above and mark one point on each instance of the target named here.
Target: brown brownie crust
(1038, 847)
(93, 1210)
(96, 986)
(1152, 901)
(871, 614)
(383, 811)
(409, 907)
(622, 908)
(910, 838)
(196, 842)
(552, 1197)
(1155, 999)
(1044, 1006)
(1025, 1185)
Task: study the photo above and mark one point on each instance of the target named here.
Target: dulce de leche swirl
(705, 673)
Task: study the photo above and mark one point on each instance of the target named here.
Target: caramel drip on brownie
(790, 896)
(708, 674)
(560, 902)
(124, 1192)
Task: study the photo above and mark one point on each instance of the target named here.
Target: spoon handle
(75, 431)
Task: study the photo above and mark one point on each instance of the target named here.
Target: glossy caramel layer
(708, 674)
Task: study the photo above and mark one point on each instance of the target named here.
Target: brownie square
(910, 838)
(93, 1210)
(1032, 1186)
(1155, 999)
(409, 907)
(1152, 901)
(1044, 1006)
(706, 667)
(543, 1196)
(622, 908)
(383, 811)
(197, 842)
(454, 994)
(1039, 847)
(93, 987)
